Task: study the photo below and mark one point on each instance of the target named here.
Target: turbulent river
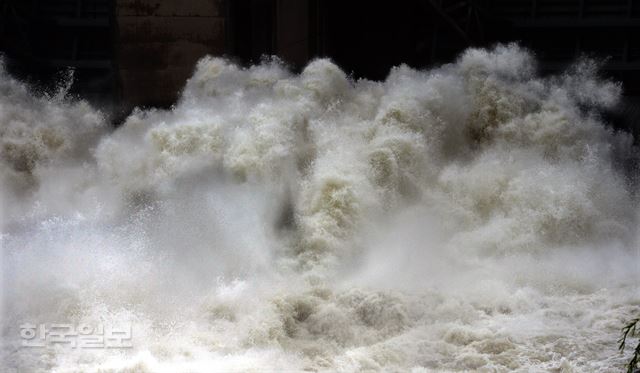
(472, 217)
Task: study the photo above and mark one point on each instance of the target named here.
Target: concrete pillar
(159, 43)
(292, 38)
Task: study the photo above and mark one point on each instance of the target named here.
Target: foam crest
(472, 217)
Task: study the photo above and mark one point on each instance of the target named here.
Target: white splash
(474, 217)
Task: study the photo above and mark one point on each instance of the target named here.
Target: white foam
(470, 217)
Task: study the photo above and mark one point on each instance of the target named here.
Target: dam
(249, 186)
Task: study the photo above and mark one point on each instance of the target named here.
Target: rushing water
(474, 217)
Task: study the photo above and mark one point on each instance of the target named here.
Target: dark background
(128, 53)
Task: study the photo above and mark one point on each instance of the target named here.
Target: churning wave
(473, 217)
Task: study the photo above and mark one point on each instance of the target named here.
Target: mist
(472, 217)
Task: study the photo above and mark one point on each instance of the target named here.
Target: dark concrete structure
(159, 42)
(40, 39)
(140, 52)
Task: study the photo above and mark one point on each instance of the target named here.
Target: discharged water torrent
(473, 217)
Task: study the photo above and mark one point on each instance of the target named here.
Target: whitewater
(473, 217)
